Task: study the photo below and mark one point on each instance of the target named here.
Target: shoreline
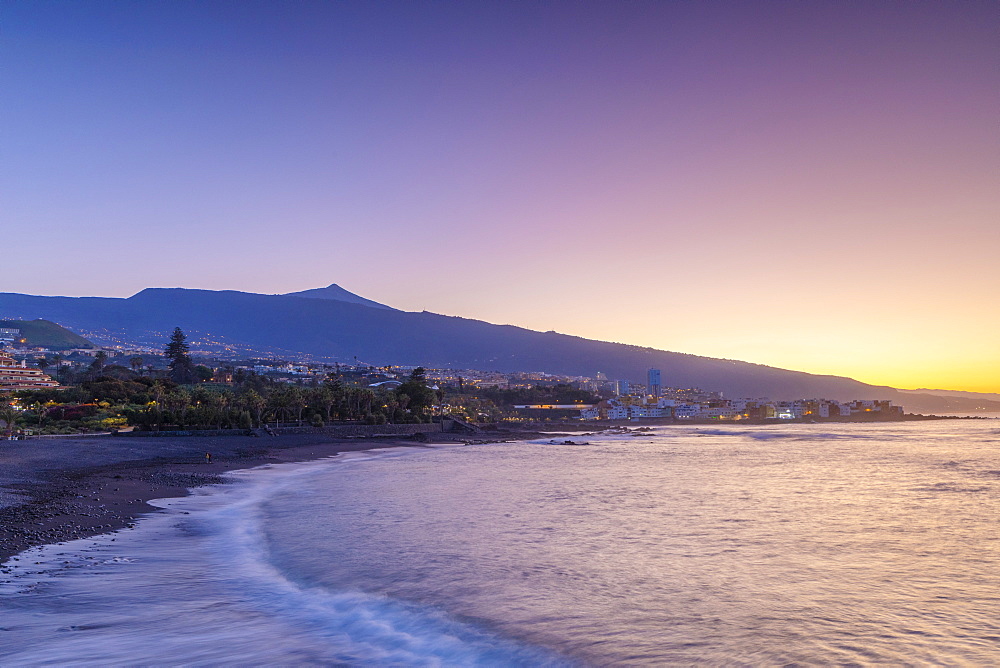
(58, 489)
(52, 498)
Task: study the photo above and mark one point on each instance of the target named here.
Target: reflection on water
(857, 544)
(832, 543)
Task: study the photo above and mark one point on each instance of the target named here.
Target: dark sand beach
(54, 489)
(59, 489)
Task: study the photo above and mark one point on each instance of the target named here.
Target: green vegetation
(127, 399)
(103, 397)
(9, 415)
(45, 334)
(493, 404)
(181, 367)
(105, 403)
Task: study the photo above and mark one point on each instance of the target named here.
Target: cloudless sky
(810, 185)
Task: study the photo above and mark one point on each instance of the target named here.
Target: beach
(54, 489)
(721, 544)
(58, 489)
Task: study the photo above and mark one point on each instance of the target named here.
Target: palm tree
(366, 397)
(159, 392)
(324, 397)
(254, 404)
(178, 402)
(136, 362)
(222, 401)
(8, 414)
(98, 364)
(39, 408)
(279, 400)
(297, 401)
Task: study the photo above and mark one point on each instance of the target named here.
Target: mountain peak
(337, 293)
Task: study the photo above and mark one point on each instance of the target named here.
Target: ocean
(855, 544)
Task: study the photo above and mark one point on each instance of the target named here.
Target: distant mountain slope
(337, 293)
(988, 396)
(43, 333)
(337, 329)
(949, 401)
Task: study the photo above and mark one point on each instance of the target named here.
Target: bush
(72, 413)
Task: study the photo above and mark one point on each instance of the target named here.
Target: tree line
(111, 396)
(107, 398)
(161, 403)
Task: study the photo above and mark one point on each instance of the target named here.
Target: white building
(723, 412)
(636, 412)
(618, 413)
(687, 411)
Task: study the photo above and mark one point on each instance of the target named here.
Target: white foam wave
(790, 434)
(193, 585)
(369, 628)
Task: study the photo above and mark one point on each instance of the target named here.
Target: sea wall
(335, 431)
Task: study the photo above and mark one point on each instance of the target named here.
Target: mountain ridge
(988, 396)
(341, 330)
(337, 293)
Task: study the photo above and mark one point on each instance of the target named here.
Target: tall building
(653, 384)
(621, 387)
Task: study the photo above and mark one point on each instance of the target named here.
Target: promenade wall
(334, 431)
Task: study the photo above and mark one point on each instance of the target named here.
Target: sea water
(754, 545)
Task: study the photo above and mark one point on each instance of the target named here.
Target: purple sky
(811, 185)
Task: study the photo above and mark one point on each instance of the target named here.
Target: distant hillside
(335, 329)
(988, 396)
(337, 293)
(949, 401)
(341, 330)
(44, 333)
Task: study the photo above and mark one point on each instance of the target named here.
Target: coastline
(63, 489)
(309, 549)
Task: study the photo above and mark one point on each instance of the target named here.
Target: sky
(809, 185)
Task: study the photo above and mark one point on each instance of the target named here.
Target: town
(655, 401)
(89, 388)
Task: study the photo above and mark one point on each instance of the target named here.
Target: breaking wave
(768, 435)
(199, 587)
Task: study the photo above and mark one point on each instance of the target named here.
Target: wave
(369, 628)
(680, 431)
(194, 584)
(761, 435)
